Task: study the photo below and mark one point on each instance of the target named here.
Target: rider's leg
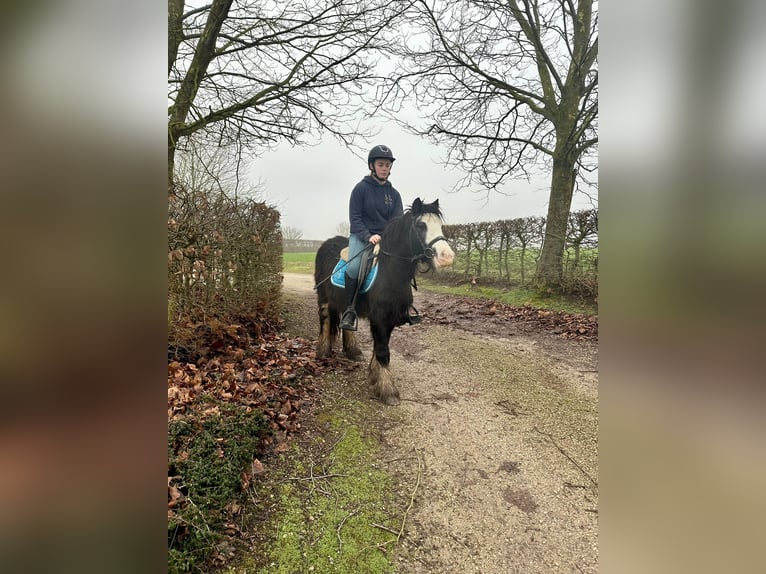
(355, 248)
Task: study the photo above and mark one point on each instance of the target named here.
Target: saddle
(369, 269)
(370, 273)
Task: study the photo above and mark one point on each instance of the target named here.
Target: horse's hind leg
(351, 346)
(379, 374)
(326, 335)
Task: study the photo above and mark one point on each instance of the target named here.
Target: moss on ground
(326, 506)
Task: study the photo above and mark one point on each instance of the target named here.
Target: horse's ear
(432, 207)
(417, 206)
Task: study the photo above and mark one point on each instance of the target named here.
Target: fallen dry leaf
(175, 496)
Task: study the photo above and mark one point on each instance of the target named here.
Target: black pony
(409, 243)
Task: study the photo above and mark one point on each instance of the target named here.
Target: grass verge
(326, 495)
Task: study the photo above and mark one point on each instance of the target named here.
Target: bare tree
(582, 231)
(508, 87)
(255, 73)
(291, 233)
(525, 230)
(343, 228)
(212, 170)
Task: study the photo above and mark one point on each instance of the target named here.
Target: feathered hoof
(324, 350)
(381, 383)
(391, 400)
(353, 354)
(383, 387)
(386, 394)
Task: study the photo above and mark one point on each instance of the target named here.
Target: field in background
(298, 262)
(519, 265)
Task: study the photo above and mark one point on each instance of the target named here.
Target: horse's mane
(401, 225)
(398, 225)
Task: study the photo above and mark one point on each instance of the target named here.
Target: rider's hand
(374, 239)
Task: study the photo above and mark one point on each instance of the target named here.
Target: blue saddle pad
(338, 277)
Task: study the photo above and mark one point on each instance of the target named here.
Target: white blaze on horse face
(444, 254)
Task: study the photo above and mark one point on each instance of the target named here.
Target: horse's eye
(421, 226)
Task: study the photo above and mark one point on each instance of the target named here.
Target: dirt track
(500, 436)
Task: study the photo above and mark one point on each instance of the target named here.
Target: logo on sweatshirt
(388, 200)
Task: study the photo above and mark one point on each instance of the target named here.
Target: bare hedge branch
(506, 251)
(224, 257)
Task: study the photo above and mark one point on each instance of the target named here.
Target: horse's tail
(327, 257)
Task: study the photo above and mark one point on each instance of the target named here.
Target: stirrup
(414, 319)
(348, 322)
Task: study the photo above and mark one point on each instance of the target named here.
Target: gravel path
(497, 437)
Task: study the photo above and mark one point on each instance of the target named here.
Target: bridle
(426, 256)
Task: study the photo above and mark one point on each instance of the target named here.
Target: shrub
(207, 456)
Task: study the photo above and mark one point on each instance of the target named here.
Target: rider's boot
(348, 322)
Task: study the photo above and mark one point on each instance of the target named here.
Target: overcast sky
(311, 186)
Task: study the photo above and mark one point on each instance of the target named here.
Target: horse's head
(428, 224)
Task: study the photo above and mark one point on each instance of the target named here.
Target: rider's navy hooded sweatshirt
(371, 206)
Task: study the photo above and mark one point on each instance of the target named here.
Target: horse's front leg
(379, 374)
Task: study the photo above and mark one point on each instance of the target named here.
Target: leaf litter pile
(274, 374)
(487, 317)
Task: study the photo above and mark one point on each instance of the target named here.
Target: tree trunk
(502, 257)
(576, 262)
(523, 257)
(468, 260)
(203, 55)
(550, 266)
(171, 162)
(175, 30)
(175, 37)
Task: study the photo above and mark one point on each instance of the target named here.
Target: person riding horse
(374, 202)
(411, 243)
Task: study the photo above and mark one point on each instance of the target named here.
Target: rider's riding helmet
(380, 152)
